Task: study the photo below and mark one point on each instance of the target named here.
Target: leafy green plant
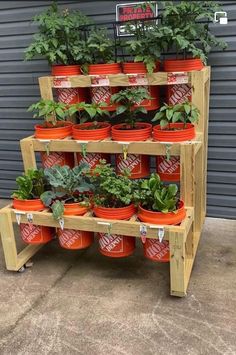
(59, 39)
(111, 190)
(127, 99)
(100, 47)
(94, 112)
(30, 185)
(190, 32)
(184, 112)
(67, 185)
(50, 111)
(153, 195)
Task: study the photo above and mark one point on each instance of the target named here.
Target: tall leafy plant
(59, 39)
(100, 47)
(94, 112)
(30, 185)
(50, 111)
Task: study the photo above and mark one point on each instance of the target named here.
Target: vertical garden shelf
(183, 239)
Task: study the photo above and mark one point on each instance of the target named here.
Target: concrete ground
(85, 303)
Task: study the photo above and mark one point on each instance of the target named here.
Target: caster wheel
(29, 263)
(22, 269)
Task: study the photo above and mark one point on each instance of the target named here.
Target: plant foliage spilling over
(30, 185)
(67, 185)
(185, 112)
(127, 99)
(153, 195)
(190, 31)
(50, 111)
(111, 190)
(94, 112)
(59, 39)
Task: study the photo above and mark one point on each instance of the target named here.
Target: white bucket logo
(179, 93)
(30, 231)
(132, 162)
(57, 158)
(101, 94)
(111, 242)
(157, 250)
(92, 159)
(70, 236)
(67, 95)
(165, 166)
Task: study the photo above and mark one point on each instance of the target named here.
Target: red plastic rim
(180, 135)
(54, 132)
(91, 134)
(137, 67)
(100, 69)
(174, 65)
(162, 218)
(131, 135)
(115, 213)
(28, 205)
(65, 70)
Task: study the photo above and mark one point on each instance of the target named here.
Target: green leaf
(163, 123)
(57, 210)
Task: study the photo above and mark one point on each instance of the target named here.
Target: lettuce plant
(30, 185)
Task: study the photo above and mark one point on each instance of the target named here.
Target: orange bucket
(82, 131)
(115, 213)
(31, 233)
(168, 170)
(54, 132)
(181, 134)
(103, 93)
(116, 246)
(57, 158)
(69, 95)
(92, 159)
(142, 132)
(156, 251)
(184, 65)
(138, 165)
(177, 94)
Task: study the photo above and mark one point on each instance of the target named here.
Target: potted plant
(113, 200)
(90, 131)
(190, 34)
(69, 195)
(176, 122)
(129, 101)
(158, 204)
(54, 126)
(60, 41)
(27, 198)
(102, 63)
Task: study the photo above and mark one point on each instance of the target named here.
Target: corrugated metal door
(19, 88)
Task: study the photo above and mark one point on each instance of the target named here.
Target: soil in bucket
(74, 239)
(31, 233)
(65, 94)
(138, 165)
(115, 246)
(100, 92)
(137, 74)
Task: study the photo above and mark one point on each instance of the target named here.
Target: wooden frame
(183, 239)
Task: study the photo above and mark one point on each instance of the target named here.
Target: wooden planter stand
(183, 239)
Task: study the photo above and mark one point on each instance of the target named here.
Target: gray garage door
(19, 88)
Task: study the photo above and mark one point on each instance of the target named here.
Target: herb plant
(185, 112)
(153, 195)
(100, 47)
(59, 39)
(51, 111)
(67, 185)
(190, 31)
(30, 185)
(87, 112)
(127, 99)
(111, 190)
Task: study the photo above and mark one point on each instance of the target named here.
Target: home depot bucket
(74, 239)
(100, 91)
(168, 170)
(156, 251)
(34, 234)
(66, 94)
(138, 165)
(137, 75)
(116, 246)
(57, 158)
(92, 159)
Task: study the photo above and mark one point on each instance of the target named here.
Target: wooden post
(177, 264)
(28, 154)
(8, 239)
(45, 85)
(186, 174)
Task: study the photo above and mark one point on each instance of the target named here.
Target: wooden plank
(177, 264)
(197, 83)
(187, 158)
(45, 85)
(28, 154)
(26, 254)
(8, 239)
